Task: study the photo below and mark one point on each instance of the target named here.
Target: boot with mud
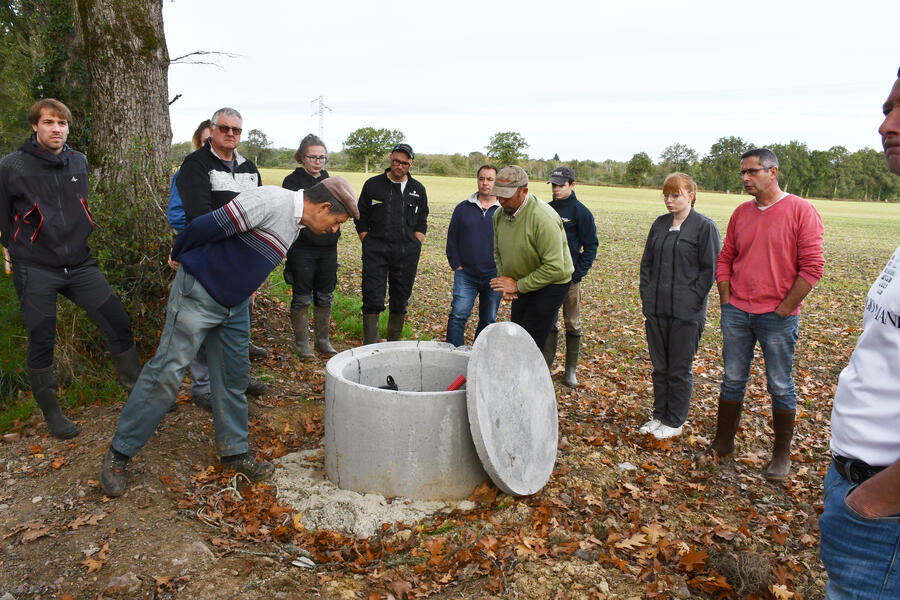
(370, 329)
(783, 424)
(573, 348)
(727, 421)
(128, 367)
(394, 326)
(300, 322)
(43, 387)
(321, 325)
(549, 349)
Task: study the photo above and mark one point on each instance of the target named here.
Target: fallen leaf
(638, 539)
(781, 592)
(92, 564)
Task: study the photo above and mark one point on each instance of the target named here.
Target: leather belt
(854, 471)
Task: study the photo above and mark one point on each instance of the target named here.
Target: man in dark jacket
(393, 214)
(45, 223)
(210, 178)
(581, 234)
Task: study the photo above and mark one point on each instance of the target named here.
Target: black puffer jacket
(44, 216)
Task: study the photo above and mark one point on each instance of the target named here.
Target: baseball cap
(404, 147)
(508, 181)
(562, 175)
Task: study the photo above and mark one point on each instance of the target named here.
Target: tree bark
(128, 62)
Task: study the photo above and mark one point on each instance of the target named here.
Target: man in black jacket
(393, 214)
(581, 235)
(210, 178)
(45, 223)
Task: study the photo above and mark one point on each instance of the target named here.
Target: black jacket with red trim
(44, 216)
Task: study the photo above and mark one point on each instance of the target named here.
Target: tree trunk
(128, 63)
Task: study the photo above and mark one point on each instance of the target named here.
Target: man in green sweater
(534, 264)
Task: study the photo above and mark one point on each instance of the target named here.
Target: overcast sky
(584, 79)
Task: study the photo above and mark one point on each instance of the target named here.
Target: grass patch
(346, 311)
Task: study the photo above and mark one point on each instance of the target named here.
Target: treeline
(832, 173)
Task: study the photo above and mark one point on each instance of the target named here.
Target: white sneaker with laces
(664, 431)
(650, 426)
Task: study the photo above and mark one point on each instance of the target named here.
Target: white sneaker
(664, 431)
(650, 426)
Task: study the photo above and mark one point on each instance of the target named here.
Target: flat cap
(340, 190)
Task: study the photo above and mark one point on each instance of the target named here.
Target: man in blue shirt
(470, 252)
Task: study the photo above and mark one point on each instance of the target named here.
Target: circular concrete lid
(512, 409)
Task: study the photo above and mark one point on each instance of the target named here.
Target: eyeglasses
(403, 163)
(226, 129)
(314, 158)
(754, 171)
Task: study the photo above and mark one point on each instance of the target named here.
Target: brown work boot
(728, 419)
(783, 424)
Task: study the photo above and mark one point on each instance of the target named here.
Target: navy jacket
(581, 233)
(470, 238)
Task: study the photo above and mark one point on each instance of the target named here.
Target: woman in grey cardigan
(677, 272)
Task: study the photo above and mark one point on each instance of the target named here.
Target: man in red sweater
(772, 257)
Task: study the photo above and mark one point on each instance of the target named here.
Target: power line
(321, 113)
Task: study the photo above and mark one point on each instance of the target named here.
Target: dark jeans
(388, 265)
(672, 344)
(465, 289)
(537, 311)
(84, 285)
(312, 271)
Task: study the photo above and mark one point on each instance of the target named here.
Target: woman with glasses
(311, 266)
(677, 271)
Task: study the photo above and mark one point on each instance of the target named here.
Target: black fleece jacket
(44, 216)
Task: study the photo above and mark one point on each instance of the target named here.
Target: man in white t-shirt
(860, 528)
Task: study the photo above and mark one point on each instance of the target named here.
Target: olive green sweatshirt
(532, 248)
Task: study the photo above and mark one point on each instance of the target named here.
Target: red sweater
(765, 251)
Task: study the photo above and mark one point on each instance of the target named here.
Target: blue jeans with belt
(860, 554)
(193, 316)
(777, 337)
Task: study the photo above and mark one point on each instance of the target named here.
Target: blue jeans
(861, 554)
(192, 316)
(776, 336)
(465, 288)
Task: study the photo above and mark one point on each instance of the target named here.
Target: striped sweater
(233, 249)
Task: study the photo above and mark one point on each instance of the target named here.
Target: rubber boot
(727, 421)
(394, 326)
(321, 323)
(43, 386)
(549, 350)
(300, 321)
(128, 367)
(370, 329)
(573, 347)
(783, 424)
